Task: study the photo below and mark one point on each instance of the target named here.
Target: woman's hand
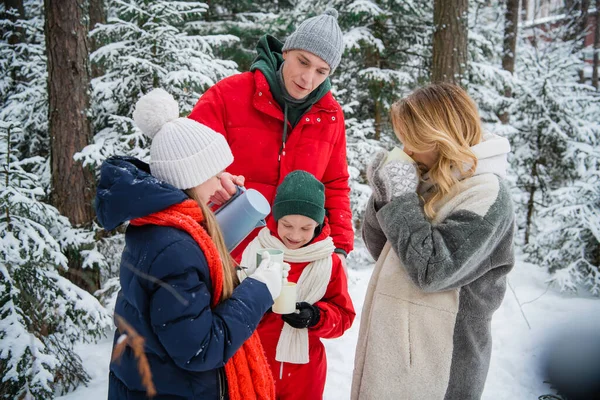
(228, 188)
(375, 179)
(399, 177)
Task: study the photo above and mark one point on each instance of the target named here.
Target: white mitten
(245, 272)
(376, 179)
(269, 273)
(399, 177)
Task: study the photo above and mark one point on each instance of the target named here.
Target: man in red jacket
(281, 117)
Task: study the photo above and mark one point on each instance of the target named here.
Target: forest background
(72, 70)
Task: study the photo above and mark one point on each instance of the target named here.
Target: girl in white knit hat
(179, 290)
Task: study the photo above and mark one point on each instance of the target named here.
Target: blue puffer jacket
(165, 294)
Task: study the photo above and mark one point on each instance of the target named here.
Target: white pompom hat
(184, 153)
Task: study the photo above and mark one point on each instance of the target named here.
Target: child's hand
(399, 177)
(375, 179)
(306, 317)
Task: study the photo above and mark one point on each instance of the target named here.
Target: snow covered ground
(514, 370)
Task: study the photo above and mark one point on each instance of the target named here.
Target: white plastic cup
(397, 154)
(286, 302)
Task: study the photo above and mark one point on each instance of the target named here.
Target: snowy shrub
(146, 44)
(556, 160)
(42, 314)
(568, 242)
(387, 47)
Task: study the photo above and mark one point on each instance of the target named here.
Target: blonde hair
(230, 280)
(440, 117)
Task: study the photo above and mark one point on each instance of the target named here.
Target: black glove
(306, 317)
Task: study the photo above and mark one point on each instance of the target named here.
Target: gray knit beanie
(321, 36)
(184, 153)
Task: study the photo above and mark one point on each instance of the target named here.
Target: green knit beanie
(300, 193)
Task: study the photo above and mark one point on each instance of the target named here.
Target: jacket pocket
(387, 350)
(431, 347)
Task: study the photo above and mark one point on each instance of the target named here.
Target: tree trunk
(577, 13)
(577, 20)
(530, 204)
(524, 13)
(449, 40)
(595, 65)
(377, 119)
(68, 125)
(14, 36)
(373, 59)
(97, 16)
(511, 30)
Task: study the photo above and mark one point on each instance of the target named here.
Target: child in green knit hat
(299, 209)
(324, 309)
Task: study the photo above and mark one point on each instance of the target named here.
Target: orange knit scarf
(248, 373)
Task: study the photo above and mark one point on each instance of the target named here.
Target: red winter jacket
(307, 381)
(242, 108)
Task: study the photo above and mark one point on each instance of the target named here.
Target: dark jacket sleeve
(337, 310)
(337, 192)
(454, 252)
(195, 336)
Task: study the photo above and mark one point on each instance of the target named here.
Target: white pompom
(331, 11)
(153, 110)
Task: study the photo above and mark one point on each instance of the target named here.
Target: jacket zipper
(221, 385)
(285, 133)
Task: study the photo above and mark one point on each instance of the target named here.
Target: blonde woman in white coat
(441, 229)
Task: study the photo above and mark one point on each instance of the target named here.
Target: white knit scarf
(311, 286)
